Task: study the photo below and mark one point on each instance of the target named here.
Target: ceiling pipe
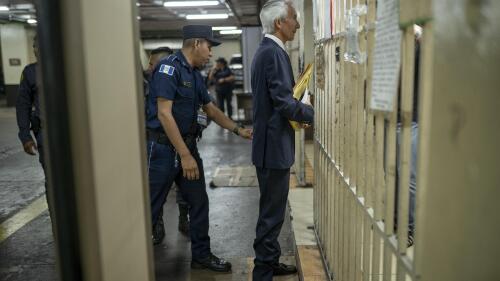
(230, 6)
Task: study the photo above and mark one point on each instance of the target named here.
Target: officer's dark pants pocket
(161, 173)
(195, 193)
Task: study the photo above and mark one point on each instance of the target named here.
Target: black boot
(283, 269)
(212, 263)
(158, 230)
(183, 219)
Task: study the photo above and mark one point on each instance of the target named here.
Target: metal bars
(360, 188)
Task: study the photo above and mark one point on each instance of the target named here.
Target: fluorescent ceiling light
(207, 16)
(22, 7)
(224, 27)
(235, 31)
(138, 4)
(4, 8)
(190, 3)
(25, 17)
(31, 21)
(138, 17)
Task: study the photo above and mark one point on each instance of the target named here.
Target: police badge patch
(167, 69)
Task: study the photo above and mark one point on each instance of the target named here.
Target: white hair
(271, 11)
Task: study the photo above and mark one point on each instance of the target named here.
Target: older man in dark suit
(273, 143)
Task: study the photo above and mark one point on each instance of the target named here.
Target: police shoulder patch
(167, 69)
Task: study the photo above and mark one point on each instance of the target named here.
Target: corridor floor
(233, 214)
(28, 254)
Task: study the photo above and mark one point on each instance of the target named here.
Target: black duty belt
(158, 137)
(161, 138)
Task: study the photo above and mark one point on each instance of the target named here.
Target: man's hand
(245, 133)
(220, 81)
(30, 147)
(304, 125)
(189, 167)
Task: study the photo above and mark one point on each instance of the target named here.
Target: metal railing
(361, 190)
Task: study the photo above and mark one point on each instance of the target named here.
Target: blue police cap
(200, 31)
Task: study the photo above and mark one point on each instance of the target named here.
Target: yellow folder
(300, 88)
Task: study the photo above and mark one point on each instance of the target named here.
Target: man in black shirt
(223, 78)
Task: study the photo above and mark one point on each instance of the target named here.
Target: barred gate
(355, 151)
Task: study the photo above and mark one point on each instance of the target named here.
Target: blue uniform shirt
(174, 79)
(27, 99)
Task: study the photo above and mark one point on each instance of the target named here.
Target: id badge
(202, 119)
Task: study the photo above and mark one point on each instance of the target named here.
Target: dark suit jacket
(273, 144)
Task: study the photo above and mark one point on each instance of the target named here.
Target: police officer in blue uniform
(273, 146)
(28, 111)
(29, 116)
(177, 91)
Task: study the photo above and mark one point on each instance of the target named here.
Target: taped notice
(387, 56)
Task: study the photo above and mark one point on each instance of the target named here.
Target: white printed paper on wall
(387, 56)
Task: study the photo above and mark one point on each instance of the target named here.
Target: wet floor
(28, 253)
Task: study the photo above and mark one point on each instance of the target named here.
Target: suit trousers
(274, 186)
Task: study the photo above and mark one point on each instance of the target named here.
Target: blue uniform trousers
(41, 156)
(48, 196)
(163, 172)
(274, 186)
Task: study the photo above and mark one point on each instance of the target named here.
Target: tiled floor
(310, 262)
(301, 204)
(28, 254)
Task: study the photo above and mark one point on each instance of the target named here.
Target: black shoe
(283, 269)
(184, 226)
(410, 240)
(212, 263)
(158, 231)
(183, 219)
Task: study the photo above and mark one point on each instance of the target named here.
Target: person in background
(224, 80)
(154, 57)
(273, 145)
(159, 227)
(29, 119)
(414, 145)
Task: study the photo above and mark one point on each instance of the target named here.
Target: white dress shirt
(277, 40)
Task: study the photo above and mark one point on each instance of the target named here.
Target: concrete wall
(30, 35)
(251, 38)
(102, 68)
(143, 55)
(226, 49)
(151, 44)
(458, 174)
(15, 44)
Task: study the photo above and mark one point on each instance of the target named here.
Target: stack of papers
(300, 91)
